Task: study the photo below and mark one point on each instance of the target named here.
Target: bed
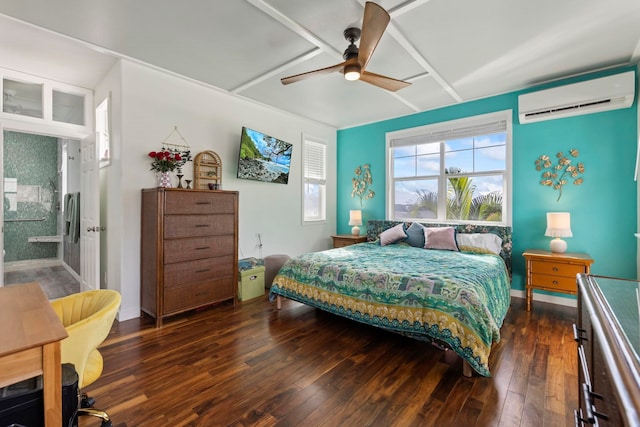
(455, 299)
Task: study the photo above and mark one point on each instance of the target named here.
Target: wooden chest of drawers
(189, 250)
(554, 272)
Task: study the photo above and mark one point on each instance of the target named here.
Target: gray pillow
(415, 234)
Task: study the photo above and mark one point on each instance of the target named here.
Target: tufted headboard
(375, 227)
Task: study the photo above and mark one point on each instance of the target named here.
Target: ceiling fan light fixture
(352, 72)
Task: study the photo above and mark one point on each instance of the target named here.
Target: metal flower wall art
(556, 176)
(362, 182)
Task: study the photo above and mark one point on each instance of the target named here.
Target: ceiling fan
(374, 23)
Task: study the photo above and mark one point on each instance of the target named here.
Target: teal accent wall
(33, 161)
(603, 209)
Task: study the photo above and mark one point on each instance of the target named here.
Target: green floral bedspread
(457, 298)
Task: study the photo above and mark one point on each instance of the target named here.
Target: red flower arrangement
(166, 160)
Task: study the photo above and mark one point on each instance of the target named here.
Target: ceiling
(451, 51)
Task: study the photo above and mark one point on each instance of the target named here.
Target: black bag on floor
(21, 404)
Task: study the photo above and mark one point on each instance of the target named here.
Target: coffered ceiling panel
(450, 50)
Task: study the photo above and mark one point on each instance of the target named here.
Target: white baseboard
(31, 264)
(128, 313)
(552, 299)
(71, 272)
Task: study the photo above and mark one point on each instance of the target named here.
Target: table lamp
(558, 225)
(355, 219)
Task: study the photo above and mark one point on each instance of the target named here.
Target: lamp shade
(558, 224)
(355, 217)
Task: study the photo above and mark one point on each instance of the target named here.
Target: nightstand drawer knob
(555, 282)
(555, 268)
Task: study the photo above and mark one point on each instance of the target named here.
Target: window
(31, 100)
(22, 98)
(102, 132)
(453, 171)
(68, 107)
(314, 186)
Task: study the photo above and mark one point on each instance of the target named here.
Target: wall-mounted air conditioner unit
(591, 96)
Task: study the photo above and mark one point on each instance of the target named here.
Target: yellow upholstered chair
(87, 318)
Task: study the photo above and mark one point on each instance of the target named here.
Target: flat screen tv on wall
(263, 157)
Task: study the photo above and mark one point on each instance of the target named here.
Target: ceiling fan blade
(374, 23)
(383, 81)
(302, 76)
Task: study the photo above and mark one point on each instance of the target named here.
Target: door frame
(26, 126)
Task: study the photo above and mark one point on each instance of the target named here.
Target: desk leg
(52, 384)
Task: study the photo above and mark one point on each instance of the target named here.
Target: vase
(164, 179)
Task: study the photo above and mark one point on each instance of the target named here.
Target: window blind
(315, 161)
(450, 133)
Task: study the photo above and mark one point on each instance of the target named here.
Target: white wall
(111, 215)
(152, 103)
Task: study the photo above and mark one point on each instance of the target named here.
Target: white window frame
(450, 127)
(318, 177)
(46, 125)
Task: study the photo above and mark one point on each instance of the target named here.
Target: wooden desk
(30, 346)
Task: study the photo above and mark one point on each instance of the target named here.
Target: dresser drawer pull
(555, 282)
(555, 269)
(203, 203)
(202, 248)
(202, 271)
(583, 363)
(202, 225)
(589, 409)
(578, 334)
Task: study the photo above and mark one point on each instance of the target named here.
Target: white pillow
(479, 242)
(392, 235)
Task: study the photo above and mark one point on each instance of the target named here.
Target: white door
(89, 216)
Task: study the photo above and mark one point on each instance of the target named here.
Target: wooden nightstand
(342, 240)
(554, 272)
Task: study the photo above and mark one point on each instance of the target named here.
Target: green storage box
(251, 284)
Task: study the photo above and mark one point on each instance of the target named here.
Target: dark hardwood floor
(250, 365)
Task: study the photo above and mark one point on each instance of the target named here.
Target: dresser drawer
(198, 271)
(181, 298)
(559, 283)
(178, 226)
(179, 250)
(557, 269)
(199, 202)
(341, 243)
